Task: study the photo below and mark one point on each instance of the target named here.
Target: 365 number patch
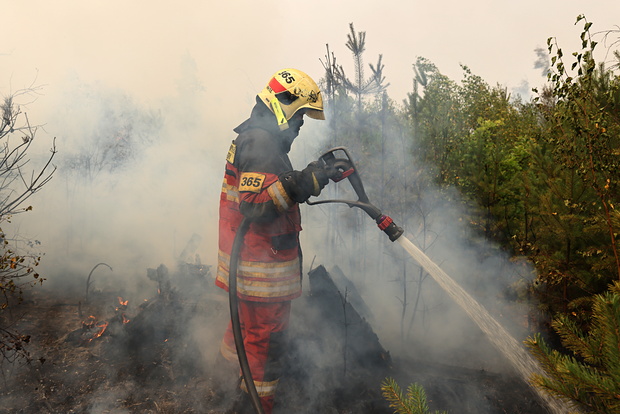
(252, 182)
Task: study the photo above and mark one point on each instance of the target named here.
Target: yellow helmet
(290, 90)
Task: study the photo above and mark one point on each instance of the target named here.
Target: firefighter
(261, 185)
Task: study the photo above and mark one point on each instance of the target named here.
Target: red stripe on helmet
(276, 86)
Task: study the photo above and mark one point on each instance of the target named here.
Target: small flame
(122, 304)
(122, 307)
(102, 327)
(98, 327)
(89, 323)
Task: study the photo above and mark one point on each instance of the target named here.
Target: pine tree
(591, 375)
(414, 402)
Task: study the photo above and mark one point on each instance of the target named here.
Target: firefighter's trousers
(263, 327)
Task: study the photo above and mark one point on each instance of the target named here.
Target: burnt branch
(88, 283)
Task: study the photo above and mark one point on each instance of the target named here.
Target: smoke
(134, 180)
(139, 180)
(415, 319)
(137, 186)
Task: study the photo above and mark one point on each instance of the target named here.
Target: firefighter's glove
(320, 176)
(300, 185)
(333, 173)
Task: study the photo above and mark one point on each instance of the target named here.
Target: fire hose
(234, 316)
(385, 223)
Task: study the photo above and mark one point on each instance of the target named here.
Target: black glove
(320, 176)
(332, 172)
(300, 185)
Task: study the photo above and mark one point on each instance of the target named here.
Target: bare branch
(18, 182)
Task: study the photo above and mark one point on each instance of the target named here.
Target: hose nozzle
(387, 225)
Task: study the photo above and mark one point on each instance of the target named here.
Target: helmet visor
(315, 114)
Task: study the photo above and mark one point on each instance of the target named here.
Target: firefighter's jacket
(269, 267)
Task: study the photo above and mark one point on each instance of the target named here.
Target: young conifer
(414, 402)
(591, 376)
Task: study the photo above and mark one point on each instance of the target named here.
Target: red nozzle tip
(384, 221)
(387, 225)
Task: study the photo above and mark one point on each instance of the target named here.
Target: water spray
(525, 365)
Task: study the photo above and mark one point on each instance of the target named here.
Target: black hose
(234, 315)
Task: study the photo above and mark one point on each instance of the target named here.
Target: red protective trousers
(263, 326)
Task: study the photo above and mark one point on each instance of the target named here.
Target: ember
(92, 329)
(121, 309)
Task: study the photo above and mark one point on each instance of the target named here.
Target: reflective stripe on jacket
(269, 267)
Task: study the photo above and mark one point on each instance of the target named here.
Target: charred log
(336, 360)
(341, 319)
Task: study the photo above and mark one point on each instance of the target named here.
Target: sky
(237, 44)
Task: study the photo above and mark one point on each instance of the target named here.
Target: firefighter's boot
(242, 404)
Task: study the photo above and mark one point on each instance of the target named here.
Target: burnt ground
(161, 361)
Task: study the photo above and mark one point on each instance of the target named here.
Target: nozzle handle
(348, 169)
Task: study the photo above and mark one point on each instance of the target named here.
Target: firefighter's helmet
(290, 90)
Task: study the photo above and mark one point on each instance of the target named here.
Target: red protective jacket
(270, 261)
